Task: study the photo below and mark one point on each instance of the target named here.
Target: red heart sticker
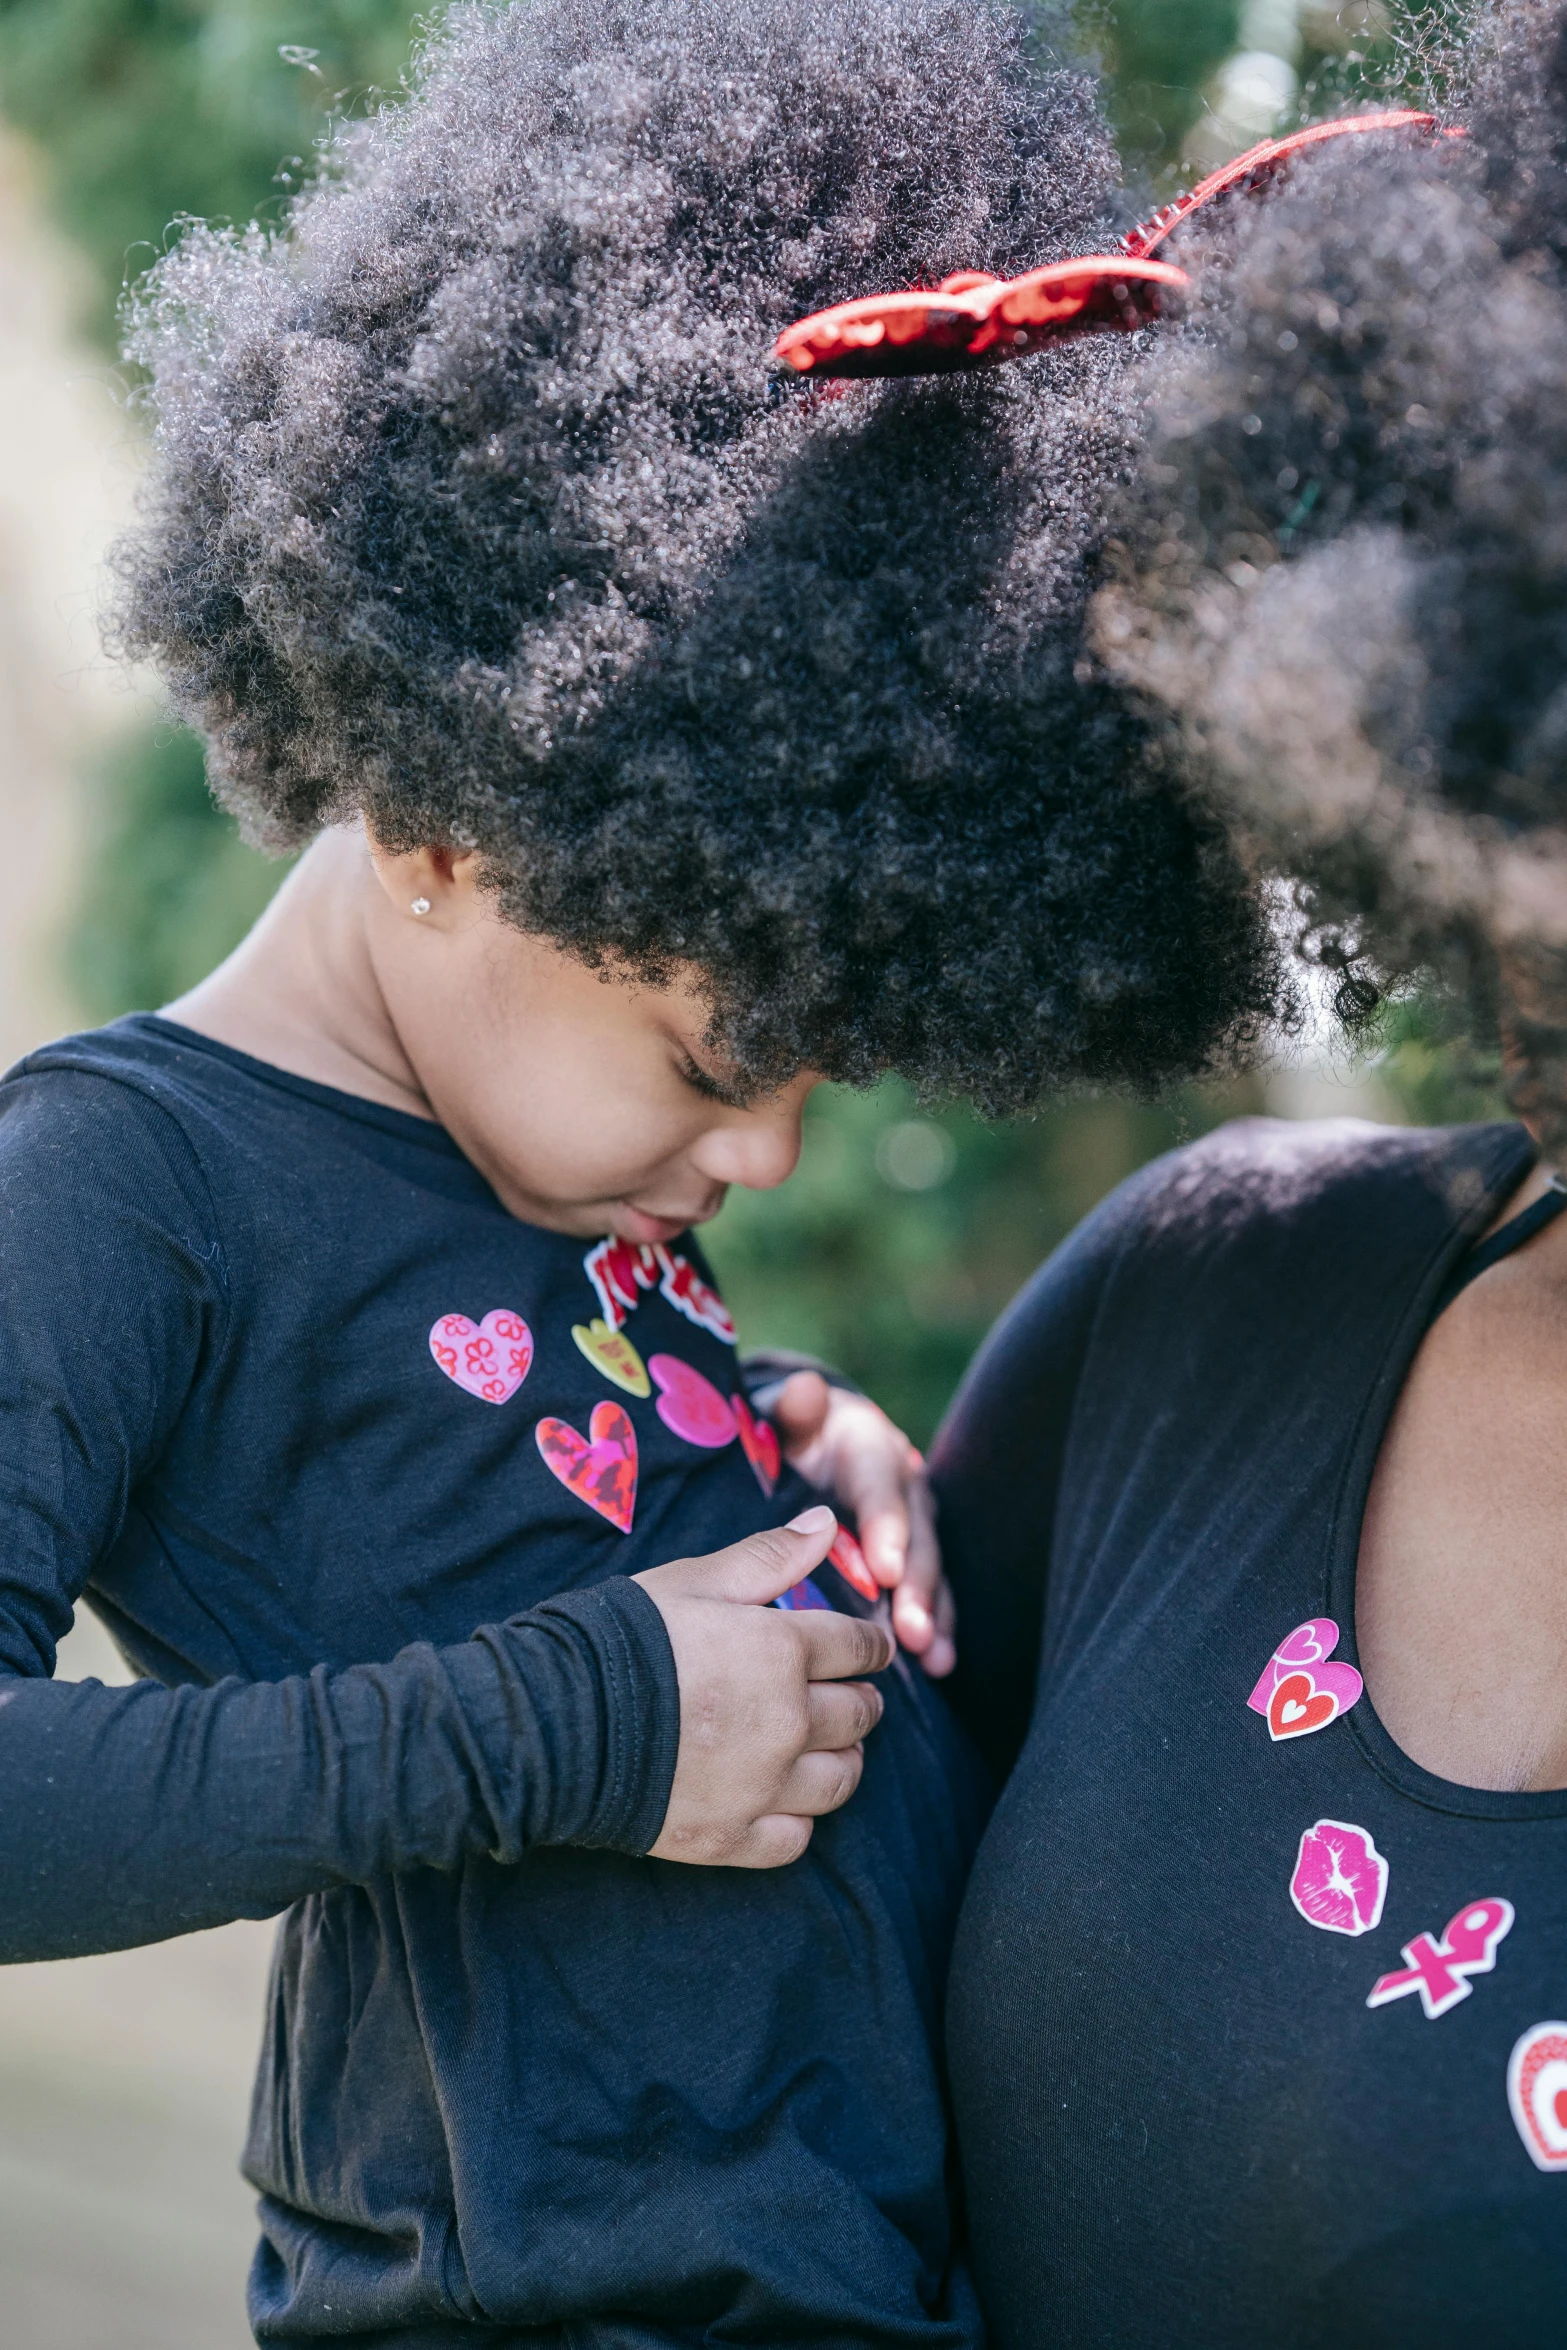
(600, 1468)
(759, 1442)
(1298, 1705)
(490, 1359)
(847, 1556)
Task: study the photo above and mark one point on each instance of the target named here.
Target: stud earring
(420, 906)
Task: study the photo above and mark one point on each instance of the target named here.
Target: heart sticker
(1340, 1880)
(600, 1468)
(847, 1556)
(691, 1405)
(805, 1596)
(612, 1354)
(1537, 2093)
(489, 1359)
(1298, 1705)
(759, 1442)
(1298, 1662)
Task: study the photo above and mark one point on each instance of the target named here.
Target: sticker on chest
(1340, 1880)
(759, 1442)
(608, 1351)
(1440, 1970)
(691, 1406)
(489, 1359)
(1299, 1690)
(621, 1270)
(599, 1468)
(1537, 2093)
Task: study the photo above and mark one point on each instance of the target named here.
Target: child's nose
(755, 1150)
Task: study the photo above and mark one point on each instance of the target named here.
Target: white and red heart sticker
(1340, 1879)
(1537, 2093)
(1299, 1690)
(489, 1359)
(1440, 1970)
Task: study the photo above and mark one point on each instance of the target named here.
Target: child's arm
(132, 1814)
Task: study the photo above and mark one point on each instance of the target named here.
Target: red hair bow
(973, 319)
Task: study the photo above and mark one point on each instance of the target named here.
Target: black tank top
(1258, 2030)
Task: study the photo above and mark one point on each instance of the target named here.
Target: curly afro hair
(477, 510)
(1346, 568)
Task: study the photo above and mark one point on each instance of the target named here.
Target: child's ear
(425, 884)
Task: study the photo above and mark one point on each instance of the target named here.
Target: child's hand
(847, 1445)
(771, 1719)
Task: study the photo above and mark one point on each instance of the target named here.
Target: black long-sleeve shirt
(355, 1466)
(1256, 2027)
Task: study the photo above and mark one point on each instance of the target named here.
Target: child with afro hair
(666, 736)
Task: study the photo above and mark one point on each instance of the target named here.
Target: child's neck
(301, 990)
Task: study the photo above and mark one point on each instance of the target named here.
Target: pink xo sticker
(1440, 1971)
(1299, 1692)
(490, 1359)
(1340, 1880)
(692, 1405)
(1537, 2093)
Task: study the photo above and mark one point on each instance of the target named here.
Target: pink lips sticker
(1340, 1880)
(692, 1405)
(1537, 2093)
(489, 1359)
(1299, 1691)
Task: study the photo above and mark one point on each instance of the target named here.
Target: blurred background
(123, 2080)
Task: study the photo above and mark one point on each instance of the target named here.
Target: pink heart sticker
(691, 1405)
(1307, 1645)
(759, 1442)
(600, 1468)
(489, 1359)
(1340, 1880)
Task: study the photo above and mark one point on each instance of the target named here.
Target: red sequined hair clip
(975, 320)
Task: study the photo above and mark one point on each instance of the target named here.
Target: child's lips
(634, 1223)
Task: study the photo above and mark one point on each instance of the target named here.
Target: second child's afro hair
(1345, 568)
(477, 510)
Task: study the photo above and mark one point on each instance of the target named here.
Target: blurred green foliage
(171, 886)
(905, 1230)
(150, 110)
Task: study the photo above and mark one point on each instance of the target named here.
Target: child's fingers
(755, 1571)
(842, 1648)
(923, 1615)
(840, 1713)
(798, 1409)
(771, 1843)
(820, 1783)
(940, 1657)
